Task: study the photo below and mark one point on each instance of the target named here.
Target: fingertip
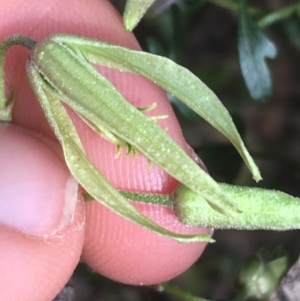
(37, 268)
(41, 217)
(128, 253)
(38, 195)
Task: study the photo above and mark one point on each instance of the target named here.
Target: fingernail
(38, 195)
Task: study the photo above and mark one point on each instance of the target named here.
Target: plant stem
(268, 19)
(233, 6)
(6, 104)
(278, 15)
(161, 199)
(260, 209)
(158, 199)
(180, 293)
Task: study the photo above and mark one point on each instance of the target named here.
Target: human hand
(39, 248)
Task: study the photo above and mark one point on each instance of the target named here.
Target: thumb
(40, 217)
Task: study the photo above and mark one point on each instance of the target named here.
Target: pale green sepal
(92, 96)
(262, 209)
(134, 11)
(173, 78)
(83, 170)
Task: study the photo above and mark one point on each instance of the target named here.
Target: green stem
(161, 199)
(233, 6)
(158, 199)
(6, 104)
(260, 209)
(180, 293)
(278, 15)
(268, 19)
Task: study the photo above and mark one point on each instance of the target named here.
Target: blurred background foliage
(202, 36)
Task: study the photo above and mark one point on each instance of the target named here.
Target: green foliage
(260, 274)
(179, 293)
(134, 11)
(254, 47)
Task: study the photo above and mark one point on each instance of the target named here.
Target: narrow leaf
(171, 77)
(180, 294)
(83, 170)
(134, 11)
(254, 48)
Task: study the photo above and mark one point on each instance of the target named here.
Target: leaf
(180, 294)
(83, 170)
(254, 47)
(173, 78)
(134, 11)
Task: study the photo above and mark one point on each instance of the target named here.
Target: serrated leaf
(254, 48)
(134, 11)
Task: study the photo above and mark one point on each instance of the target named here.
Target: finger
(98, 19)
(41, 219)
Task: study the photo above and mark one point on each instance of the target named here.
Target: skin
(40, 258)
